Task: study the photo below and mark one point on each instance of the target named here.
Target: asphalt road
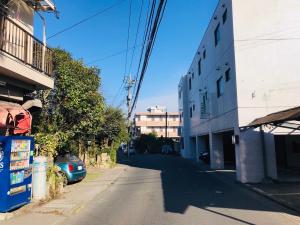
(156, 189)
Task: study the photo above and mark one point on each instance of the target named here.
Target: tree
(73, 110)
(113, 131)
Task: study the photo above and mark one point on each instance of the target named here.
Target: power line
(150, 13)
(136, 35)
(150, 45)
(118, 92)
(128, 35)
(87, 18)
(112, 55)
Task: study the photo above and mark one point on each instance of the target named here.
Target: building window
(193, 75)
(204, 54)
(179, 94)
(191, 112)
(227, 75)
(224, 17)
(199, 66)
(220, 87)
(190, 83)
(217, 35)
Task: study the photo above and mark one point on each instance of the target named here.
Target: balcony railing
(20, 44)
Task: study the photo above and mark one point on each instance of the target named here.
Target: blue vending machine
(16, 157)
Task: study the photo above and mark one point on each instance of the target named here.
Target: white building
(246, 66)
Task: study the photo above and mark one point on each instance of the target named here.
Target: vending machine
(16, 157)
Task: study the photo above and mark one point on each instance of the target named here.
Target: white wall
(222, 110)
(267, 56)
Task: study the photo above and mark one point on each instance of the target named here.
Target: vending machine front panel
(17, 171)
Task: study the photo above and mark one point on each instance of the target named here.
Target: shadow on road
(186, 184)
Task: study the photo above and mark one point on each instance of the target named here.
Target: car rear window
(67, 158)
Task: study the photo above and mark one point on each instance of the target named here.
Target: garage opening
(203, 148)
(287, 148)
(228, 150)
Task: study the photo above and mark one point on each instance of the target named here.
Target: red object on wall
(15, 118)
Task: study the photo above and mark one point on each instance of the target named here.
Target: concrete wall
(262, 52)
(267, 56)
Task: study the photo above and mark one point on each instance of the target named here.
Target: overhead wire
(112, 55)
(86, 19)
(126, 56)
(128, 36)
(150, 45)
(136, 35)
(149, 17)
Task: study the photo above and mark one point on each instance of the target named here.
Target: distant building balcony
(24, 57)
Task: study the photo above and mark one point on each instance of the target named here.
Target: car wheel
(64, 178)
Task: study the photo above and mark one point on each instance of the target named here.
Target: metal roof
(43, 5)
(278, 117)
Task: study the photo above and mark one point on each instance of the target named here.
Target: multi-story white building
(25, 61)
(157, 120)
(246, 67)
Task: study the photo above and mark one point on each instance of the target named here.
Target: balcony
(17, 46)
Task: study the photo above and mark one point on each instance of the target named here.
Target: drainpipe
(44, 41)
(262, 137)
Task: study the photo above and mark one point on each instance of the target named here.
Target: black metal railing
(17, 42)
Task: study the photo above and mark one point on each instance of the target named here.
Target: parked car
(166, 149)
(131, 150)
(72, 168)
(205, 157)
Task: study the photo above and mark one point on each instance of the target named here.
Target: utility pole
(129, 84)
(166, 127)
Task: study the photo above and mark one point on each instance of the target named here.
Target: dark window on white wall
(199, 67)
(204, 54)
(190, 83)
(191, 112)
(227, 75)
(220, 87)
(193, 75)
(224, 17)
(217, 35)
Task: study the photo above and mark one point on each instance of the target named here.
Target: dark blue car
(72, 168)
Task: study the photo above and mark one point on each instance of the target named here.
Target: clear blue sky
(183, 26)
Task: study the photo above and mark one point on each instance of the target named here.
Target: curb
(20, 211)
(270, 197)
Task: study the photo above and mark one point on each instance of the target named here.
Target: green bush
(55, 181)
(151, 144)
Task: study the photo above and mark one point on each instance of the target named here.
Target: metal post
(44, 42)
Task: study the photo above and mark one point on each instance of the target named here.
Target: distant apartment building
(157, 120)
(245, 67)
(25, 63)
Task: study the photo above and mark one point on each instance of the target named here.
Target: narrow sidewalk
(71, 202)
(286, 194)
